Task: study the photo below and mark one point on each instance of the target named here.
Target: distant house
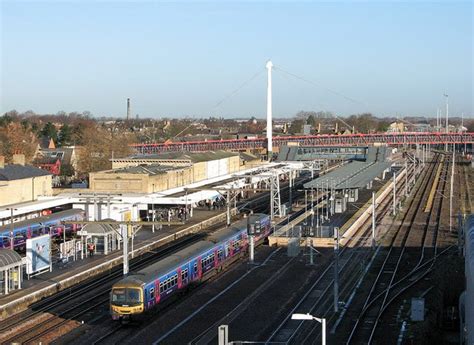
(396, 127)
(22, 183)
(67, 156)
(51, 164)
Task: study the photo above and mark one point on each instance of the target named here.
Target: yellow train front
(126, 298)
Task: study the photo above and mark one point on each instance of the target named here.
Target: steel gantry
(393, 139)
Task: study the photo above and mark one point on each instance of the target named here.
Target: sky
(200, 59)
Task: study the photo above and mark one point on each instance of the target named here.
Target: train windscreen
(128, 296)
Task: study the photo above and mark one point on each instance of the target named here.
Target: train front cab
(126, 301)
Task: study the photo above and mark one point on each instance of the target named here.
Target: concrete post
(373, 220)
(223, 335)
(125, 248)
(394, 193)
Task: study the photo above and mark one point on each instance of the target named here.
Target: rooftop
(13, 172)
(193, 157)
(153, 169)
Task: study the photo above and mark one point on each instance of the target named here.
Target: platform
(73, 272)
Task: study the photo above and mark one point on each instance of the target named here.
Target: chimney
(19, 158)
(337, 128)
(2, 162)
(128, 109)
(319, 127)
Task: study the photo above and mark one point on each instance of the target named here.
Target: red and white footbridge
(392, 139)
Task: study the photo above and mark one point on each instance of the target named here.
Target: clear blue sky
(181, 59)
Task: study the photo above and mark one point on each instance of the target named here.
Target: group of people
(181, 213)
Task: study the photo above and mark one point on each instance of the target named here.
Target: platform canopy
(350, 176)
(9, 258)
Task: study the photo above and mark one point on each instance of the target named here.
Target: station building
(22, 183)
(140, 179)
(155, 173)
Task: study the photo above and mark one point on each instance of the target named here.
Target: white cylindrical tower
(269, 110)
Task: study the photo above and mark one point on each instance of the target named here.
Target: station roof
(17, 172)
(9, 258)
(352, 175)
(194, 157)
(310, 153)
(153, 169)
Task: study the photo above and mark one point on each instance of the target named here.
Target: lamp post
(309, 317)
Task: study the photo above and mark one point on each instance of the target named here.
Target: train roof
(171, 262)
(130, 281)
(42, 219)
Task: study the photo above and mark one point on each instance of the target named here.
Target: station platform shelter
(10, 271)
(103, 236)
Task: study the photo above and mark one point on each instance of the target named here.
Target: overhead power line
(327, 89)
(227, 97)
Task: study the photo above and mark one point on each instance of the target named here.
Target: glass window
(118, 295)
(133, 295)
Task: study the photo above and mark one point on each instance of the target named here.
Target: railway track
(391, 277)
(296, 332)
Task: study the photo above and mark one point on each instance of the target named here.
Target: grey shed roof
(189, 156)
(17, 172)
(153, 169)
(8, 258)
(352, 175)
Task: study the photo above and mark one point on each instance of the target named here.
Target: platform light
(301, 316)
(309, 317)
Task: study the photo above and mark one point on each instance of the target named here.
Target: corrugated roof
(309, 153)
(153, 169)
(9, 257)
(352, 175)
(17, 172)
(190, 156)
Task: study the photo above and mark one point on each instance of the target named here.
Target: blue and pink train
(50, 224)
(147, 288)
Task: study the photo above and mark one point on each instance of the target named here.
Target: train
(144, 290)
(50, 224)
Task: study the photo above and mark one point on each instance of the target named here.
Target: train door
(216, 258)
(231, 247)
(157, 291)
(199, 267)
(28, 232)
(180, 278)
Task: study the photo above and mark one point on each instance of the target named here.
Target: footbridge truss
(392, 139)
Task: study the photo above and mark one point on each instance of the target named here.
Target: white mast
(269, 110)
(447, 113)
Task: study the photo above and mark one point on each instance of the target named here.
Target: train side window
(195, 267)
(152, 293)
(161, 287)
